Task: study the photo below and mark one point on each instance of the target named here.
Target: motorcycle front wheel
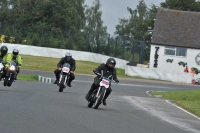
(61, 85)
(99, 98)
(9, 83)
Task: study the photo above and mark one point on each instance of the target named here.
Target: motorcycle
(12, 74)
(1, 70)
(97, 96)
(64, 76)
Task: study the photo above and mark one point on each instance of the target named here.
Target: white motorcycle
(97, 96)
(64, 76)
(1, 70)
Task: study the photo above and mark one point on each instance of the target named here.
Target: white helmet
(68, 54)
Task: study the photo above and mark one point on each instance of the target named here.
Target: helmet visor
(68, 58)
(110, 65)
(15, 53)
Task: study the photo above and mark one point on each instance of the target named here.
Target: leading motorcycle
(64, 76)
(97, 96)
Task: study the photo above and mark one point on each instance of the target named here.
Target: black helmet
(4, 50)
(111, 63)
(15, 52)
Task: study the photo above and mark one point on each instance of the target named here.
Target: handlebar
(102, 77)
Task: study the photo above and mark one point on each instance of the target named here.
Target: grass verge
(50, 64)
(189, 100)
(27, 77)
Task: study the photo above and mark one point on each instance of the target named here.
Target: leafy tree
(184, 5)
(94, 26)
(134, 31)
(41, 20)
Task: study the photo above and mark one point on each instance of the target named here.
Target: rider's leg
(92, 88)
(106, 95)
(57, 74)
(17, 72)
(6, 72)
(71, 78)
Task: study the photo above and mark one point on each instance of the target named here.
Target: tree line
(70, 24)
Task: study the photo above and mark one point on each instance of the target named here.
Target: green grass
(189, 100)
(50, 64)
(27, 77)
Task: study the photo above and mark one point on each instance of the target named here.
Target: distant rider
(18, 59)
(5, 58)
(67, 59)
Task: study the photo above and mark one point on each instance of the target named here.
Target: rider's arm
(73, 65)
(60, 63)
(115, 75)
(19, 61)
(8, 60)
(99, 68)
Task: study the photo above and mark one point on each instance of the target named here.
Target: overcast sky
(114, 9)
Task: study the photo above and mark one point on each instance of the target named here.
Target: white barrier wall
(98, 58)
(159, 74)
(58, 53)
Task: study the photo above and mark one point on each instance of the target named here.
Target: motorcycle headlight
(12, 68)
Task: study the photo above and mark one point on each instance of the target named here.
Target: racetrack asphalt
(34, 107)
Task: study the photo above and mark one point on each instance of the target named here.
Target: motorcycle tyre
(103, 89)
(61, 85)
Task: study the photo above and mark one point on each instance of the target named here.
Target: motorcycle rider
(16, 57)
(106, 70)
(67, 59)
(5, 57)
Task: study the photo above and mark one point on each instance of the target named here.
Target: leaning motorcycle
(1, 70)
(64, 76)
(12, 74)
(97, 96)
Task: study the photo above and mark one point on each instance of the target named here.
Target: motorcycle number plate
(104, 83)
(65, 69)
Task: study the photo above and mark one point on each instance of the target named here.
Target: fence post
(69, 33)
(116, 39)
(108, 46)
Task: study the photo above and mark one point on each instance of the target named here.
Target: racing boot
(106, 96)
(69, 83)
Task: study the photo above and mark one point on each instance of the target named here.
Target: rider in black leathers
(106, 70)
(67, 59)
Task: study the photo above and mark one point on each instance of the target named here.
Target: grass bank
(50, 64)
(189, 100)
(27, 77)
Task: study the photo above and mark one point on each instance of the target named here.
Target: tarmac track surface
(33, 107)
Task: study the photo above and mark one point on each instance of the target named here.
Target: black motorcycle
(64, 76)
(97, 96)
(12, 74)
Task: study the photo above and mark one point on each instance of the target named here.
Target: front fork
(10, 76)
(61, 76)
(97, 95)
